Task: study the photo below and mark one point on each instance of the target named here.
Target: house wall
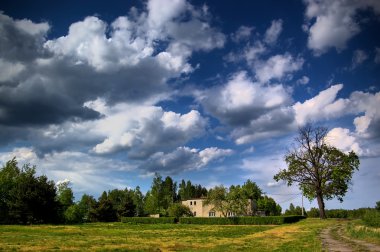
(200, 209)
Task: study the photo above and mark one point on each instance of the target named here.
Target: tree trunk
(321, 206)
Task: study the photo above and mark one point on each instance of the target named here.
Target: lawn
(301, 236)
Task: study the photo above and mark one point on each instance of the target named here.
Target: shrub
(148, 220)
(178, 210)
(249, 220)
(337, 213)
(313, 213)
(73, 214)
(372, 219)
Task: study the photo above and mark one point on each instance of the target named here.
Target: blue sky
(107, 93)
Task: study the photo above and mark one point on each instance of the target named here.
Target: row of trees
(235, 199)
(28, 198)
(295, 210)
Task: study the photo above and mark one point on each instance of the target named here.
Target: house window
(195, 203)
(211, 214)
(191, 203)
(195, 213)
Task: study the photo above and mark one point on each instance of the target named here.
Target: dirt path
(333, 239)
(331, 244)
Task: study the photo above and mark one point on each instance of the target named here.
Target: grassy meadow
(358, 230)
(301, 236)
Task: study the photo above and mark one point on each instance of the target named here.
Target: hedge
(148, 220)
(267, 220)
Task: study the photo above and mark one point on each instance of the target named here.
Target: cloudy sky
(106, 93)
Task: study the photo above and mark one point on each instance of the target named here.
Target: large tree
(269, 206)
(25, 197)
(65, 197)
(138, 200)
(217, 197)
(161, 195)
(321, 170)
(188, 191)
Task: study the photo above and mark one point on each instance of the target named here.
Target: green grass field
(301, 236)
(358, 230)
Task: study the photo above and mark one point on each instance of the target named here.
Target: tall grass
(372, 219)
(359, 231)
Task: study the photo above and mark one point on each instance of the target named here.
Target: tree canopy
(321, 170)
(26, 198)
(241, 200)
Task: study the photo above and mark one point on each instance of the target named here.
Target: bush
(73, 214)
(372, 219)
(148, 220)
(313, 213)
(268, 220)
(337, 213)
(178, 210)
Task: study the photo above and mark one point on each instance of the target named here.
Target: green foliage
(65, 197)
(238, 201)
(246, 220)
(321, 171)
(377, 207)
(87, 207)
(65, 194)
(241, 200)
(149, 220)
(179, 210)
(313, 213)
(73, 214)
(187, 191)
(295, 210)
(105, 210)
(217, 196)
(269, 206)
(251, 190)
(161, 195)
(138, 201)
(24, 197)
(372, 219)
(122, 202)
(339, 213)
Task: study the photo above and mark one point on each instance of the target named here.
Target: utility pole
(302, 204)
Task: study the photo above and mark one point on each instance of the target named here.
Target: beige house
(200, 209)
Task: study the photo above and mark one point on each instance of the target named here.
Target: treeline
(26, 198)
(342, 213)
(359, 213)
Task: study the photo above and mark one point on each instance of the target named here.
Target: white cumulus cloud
(344, 140)
(143, 130)
(335, 22)
(322, 106)
(277, 67)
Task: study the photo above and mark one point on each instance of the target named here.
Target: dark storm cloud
(21, 40)
(183, 159)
